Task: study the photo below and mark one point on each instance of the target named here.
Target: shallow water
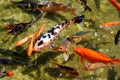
(43, 69)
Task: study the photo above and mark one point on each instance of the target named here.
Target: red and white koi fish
(44, 40)
(94, 56)
(115, 3)
(95, 66)
(109, 24)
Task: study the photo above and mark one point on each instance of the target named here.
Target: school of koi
(39, 41)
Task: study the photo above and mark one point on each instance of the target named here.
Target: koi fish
(117, 36)
(66, 43)
(4, 73)
(51, 34)
(109, 24)
(84, 2)
(94, 56)
(46, 6)
(115, 3)
(16, 28)
(95, 66)
(69, 70)
(44, 40)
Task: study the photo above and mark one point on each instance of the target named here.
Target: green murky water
(102, 11)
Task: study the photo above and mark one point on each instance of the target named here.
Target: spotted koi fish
(94, 56)
(45, 6)
(4, 73)
(117, 36)
(47, 38)
(95, 66)
(115, 3)
(44, 40)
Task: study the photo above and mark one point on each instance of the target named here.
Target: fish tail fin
(78, 19)
(115, 61)
(88, 8)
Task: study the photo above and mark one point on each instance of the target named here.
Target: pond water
(101, 40)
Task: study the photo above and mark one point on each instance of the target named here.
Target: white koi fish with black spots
(41, 41)
(48, 37)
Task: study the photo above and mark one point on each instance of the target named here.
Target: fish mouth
(35, 49)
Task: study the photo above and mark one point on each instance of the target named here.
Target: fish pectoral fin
(82, 60)
(66, 56)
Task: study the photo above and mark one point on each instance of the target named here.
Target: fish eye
(61, 48)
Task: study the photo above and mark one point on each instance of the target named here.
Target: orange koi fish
(95, 66)
(115, 3)
(93, 56)
(4, 73)
(109, 24)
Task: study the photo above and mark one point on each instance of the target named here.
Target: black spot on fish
(44, 36)
(51, 40)
(41, 42)
(62, 24)
(51, 31)
(66, 22)
(58, 27)
(49, 36)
